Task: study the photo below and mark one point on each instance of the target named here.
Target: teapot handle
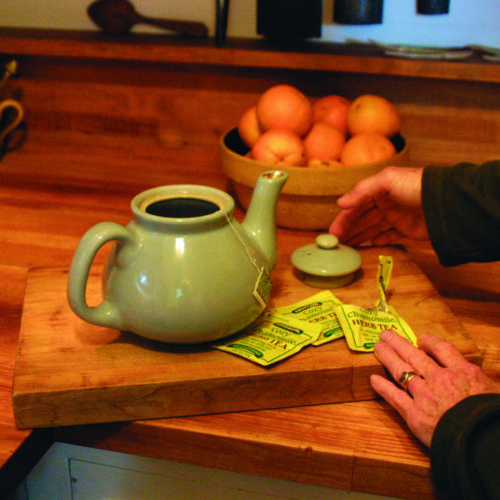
(105, 314)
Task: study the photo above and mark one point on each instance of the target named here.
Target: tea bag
(384, 272)
(262, 289)
(362, 327)
(319, 309)
(271, 338)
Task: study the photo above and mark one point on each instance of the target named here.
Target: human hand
(382, 209)
(444, 378)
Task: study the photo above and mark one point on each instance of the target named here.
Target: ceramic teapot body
(183, 270)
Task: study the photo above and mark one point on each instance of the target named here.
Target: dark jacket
(462, 210)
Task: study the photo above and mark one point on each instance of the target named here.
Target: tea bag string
(237, 233)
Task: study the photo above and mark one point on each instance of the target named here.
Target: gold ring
(405, 378)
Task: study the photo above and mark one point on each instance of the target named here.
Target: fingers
(398, 355)
(382, 209)
(442, 377)
(443, 352)
(364, 191)
(343, 223)
(389, 357)
(387, 237)
(355, 226)
(356, 206)
(369, 227)
(421, 424)
(396, 397)
(348, 221)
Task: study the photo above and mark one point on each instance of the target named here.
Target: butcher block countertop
(97, 138)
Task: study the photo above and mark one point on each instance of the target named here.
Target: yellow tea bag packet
(362, 327)
(319, 309)
(271, 338)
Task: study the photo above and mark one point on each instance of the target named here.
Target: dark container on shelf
(289, 19)
(433, 6)
(357, 11)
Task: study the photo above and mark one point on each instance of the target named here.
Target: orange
(324, 142)
(332, 109)
(248, 127)
(280, 147)
(373, 113)
(367, 148)
(284, 107)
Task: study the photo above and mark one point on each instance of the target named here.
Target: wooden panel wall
(190, 105)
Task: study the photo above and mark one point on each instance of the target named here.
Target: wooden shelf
(249, 53)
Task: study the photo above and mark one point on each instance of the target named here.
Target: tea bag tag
(262, 289)
(384, 272)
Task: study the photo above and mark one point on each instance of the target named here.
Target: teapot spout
(260, 219)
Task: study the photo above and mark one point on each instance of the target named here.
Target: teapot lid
(327, 257)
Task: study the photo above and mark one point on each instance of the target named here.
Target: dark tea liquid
(182, 208)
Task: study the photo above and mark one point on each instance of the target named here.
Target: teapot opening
(182, 208)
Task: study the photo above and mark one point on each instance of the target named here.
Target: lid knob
(327, 241)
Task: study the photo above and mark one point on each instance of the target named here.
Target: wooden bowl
(308, 199)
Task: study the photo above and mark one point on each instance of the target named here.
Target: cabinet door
(69, 472)
(91, 481)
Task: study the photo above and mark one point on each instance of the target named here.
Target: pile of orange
(285, 127)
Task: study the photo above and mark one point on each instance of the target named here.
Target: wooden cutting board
(70, 372)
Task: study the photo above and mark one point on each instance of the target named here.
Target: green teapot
(183, 270)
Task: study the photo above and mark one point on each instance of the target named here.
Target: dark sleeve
(462, 211)
(465, 449)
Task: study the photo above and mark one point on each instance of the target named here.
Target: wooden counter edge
(193, 441)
